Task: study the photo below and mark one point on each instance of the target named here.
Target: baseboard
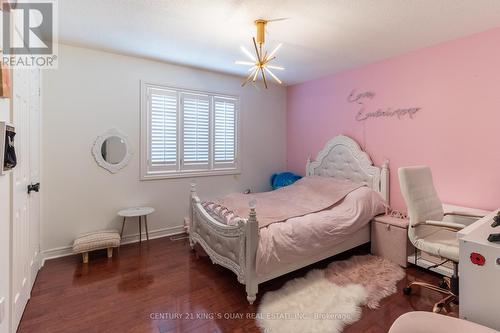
(55, 253)
(64, 251)
(159, 233)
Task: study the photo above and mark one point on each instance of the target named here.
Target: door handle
(33, 188)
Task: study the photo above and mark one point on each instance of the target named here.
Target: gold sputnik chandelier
(260, 62)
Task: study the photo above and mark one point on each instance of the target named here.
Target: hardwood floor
(145, 288)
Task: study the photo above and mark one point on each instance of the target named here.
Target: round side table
(140, 212)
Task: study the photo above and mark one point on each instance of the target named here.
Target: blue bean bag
(283, 179)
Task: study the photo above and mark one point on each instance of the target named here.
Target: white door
(20, 203)
(34, 196)
(25, 207)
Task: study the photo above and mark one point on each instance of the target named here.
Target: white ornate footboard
(233, 247)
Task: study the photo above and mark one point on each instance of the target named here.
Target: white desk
(480, 285)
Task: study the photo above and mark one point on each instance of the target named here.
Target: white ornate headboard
(343, 158)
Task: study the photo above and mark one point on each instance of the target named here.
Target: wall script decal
(359, 98)
(362, 115)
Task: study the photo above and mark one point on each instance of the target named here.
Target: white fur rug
(316, 304)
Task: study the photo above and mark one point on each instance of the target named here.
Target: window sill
(188, 174)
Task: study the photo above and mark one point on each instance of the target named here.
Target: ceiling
(319, 36)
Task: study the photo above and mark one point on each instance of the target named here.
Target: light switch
(2, 309)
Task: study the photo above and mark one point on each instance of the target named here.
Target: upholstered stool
(97, 240)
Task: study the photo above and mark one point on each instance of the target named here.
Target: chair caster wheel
(407, 290)
(438, 308)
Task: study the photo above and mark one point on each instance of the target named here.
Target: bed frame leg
(252, 290)
(252, 239)
(192, 200)
(251, 298)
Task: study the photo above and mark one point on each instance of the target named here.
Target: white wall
(93, 91)
(5, 202)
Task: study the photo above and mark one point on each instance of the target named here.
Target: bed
(236, 247)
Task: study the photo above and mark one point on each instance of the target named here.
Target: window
(186, 133)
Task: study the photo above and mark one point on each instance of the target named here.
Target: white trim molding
(64, 251)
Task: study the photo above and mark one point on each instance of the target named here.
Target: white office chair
(427, 231)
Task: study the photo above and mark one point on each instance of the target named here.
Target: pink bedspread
(302, 237)
(308, 195)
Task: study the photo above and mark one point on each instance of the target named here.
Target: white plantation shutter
(224, 132)
(195, 131)
(163, 129)
(188, 133)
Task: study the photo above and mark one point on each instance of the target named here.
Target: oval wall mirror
(112, 151)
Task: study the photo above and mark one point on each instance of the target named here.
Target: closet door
(25, 238)
(34, 171)
(25, 228)
(20, 241)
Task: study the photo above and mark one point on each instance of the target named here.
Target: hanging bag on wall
(10, 160)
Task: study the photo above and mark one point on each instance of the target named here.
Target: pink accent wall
(456, 133)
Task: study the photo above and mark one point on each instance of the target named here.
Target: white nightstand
(389, 239)
(137, 212)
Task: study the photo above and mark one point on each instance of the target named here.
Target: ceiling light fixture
(259, 63)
